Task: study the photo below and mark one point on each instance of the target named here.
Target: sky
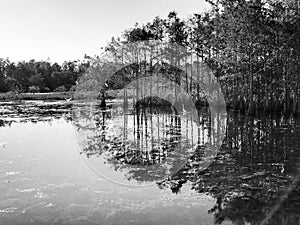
(67, 29)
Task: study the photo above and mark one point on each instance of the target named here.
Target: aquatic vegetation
(12, 96)
(24, 111)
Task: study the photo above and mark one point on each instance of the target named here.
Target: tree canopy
(252, 46)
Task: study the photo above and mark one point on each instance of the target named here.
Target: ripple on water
(8, 210)
(29, 190)
(10, 173)
(48, 205)
(41, 195)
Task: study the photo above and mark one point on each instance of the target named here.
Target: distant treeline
(40, 76)
(252, 46)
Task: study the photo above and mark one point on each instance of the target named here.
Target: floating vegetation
(33, 111)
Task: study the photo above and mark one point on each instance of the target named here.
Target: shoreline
(52, 96)
(35, 96)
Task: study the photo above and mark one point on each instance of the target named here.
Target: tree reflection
(254, 171)
(151, 142)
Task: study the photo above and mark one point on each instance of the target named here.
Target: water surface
(47, 162)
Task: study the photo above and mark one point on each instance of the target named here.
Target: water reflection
(254, 177)
(144, 143)
(251, 178)
(253, 174)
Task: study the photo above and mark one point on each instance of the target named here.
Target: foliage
(252, 46)
(39, 76)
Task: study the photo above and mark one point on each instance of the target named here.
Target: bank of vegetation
(39, 76)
